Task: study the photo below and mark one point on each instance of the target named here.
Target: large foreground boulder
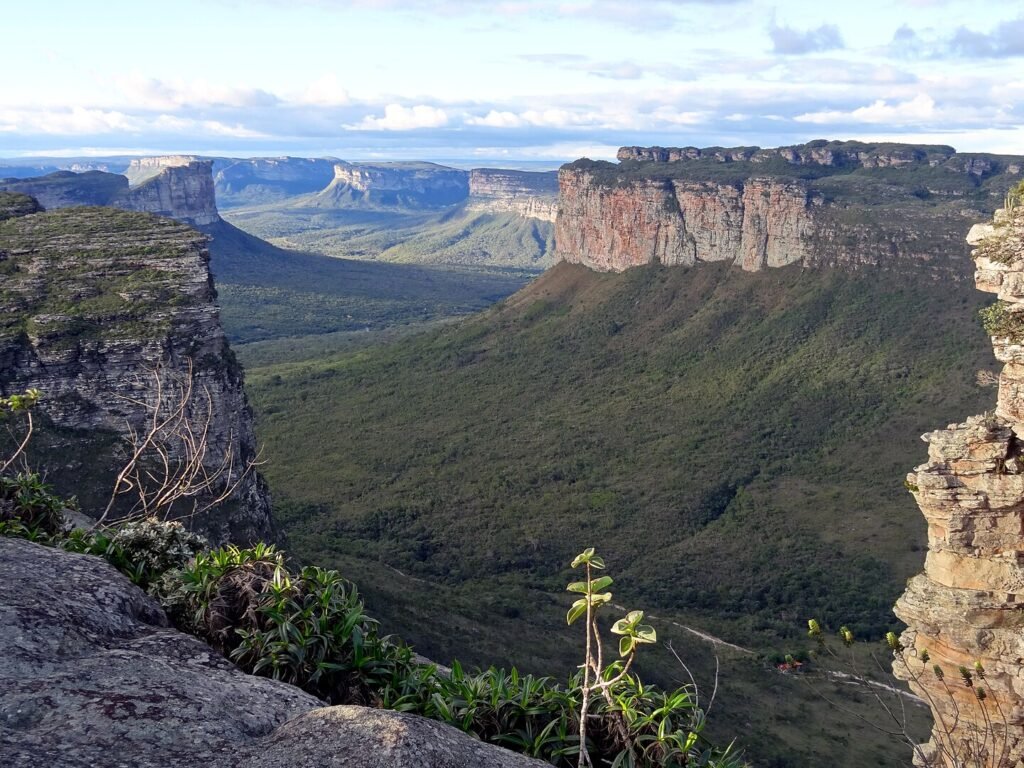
(92, 675)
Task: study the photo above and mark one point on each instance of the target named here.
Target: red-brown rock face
(966, 608)
(760, 223)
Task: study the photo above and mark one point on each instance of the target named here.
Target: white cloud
(325, 91)
(75, 121)
(173, 95)
(497, 119)
(918, 110)
(399, 118)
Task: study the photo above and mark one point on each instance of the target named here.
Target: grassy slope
(268, 292)
(734, 443)
(453, 236)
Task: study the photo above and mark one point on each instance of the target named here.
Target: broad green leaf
(583, 557)
(635, 617)
(596, 562)
(603, 583)
(601, 598)
(645, 634)
(578, 609)
(578, 586)
(620, 627)
(625, 646)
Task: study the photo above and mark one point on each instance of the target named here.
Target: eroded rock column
(963, 650)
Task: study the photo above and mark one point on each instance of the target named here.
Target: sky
(504, 79)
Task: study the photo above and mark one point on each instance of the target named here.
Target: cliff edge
(821, 204)
(964, 642)
(92, 302)
(176, 186)
(94, 676)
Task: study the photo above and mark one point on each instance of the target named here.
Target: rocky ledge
(93, 676)
(965, 612)
(92, 301)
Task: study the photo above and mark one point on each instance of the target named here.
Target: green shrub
(998, 320)
(308, 629)
(28, 504)
(143, 550)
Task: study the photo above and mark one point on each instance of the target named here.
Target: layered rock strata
(409, 184)
(530, 194)
(821, 204)
(964, 642)
(762, 223)
(92, 300)
(179, 187)
(93, 676)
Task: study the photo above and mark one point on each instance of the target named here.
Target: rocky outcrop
(530, 194)
(93, 676)
(270, 179)
(964, 613)
(178, 187)
(833, 154)
(64, 189)
(142, 169)
(405, 184)
(92, 300)
(182, 190)
(763, 223)
(761, 208)
(15, 204)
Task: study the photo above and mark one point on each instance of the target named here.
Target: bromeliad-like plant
(598, 679)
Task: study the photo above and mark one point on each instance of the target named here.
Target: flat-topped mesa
(832, 154)
(92, 302)
(177, 187)
(413, 184)
(180, 190)
(966, 610)
(144, 168)
(821, 204)
(530, 194)
(270, 179)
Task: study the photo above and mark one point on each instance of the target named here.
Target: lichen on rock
(93, 676)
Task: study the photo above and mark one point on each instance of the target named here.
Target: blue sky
(516, 79)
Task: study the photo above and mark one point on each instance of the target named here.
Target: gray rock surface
(93, 676)
(91, 301)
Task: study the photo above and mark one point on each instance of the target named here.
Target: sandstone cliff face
(821, 204)
(762, 223)
(94, 676)
(425, 185)
(531, 195)
(182, 191)
(143, 169)
(178, 187)
(966, 605)
(91, 300)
